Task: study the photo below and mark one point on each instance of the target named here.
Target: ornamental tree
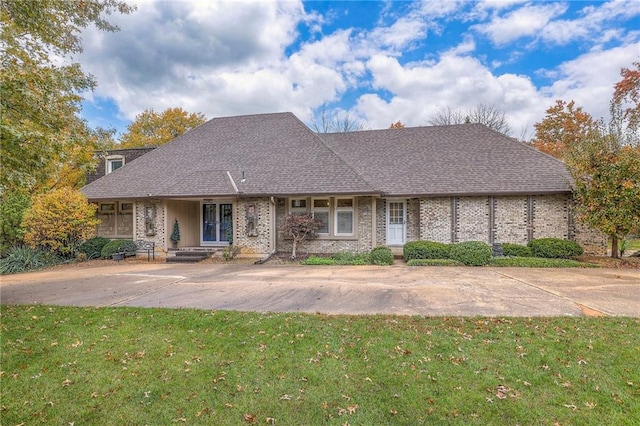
(300, 227)
(59, 221)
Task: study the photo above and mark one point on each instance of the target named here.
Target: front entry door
(396, 223)
(216, 223)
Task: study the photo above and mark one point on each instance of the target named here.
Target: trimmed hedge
(471, 253)
(381, 256)
(425, 250)
(516, 250)
(554, 248)
(117, 246)
(433, 262)
(93, 247)
(539, 262)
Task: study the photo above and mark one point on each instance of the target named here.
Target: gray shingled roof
(465, 159)
(279, 155)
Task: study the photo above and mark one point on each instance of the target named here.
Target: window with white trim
(320, 211)
(114, 163)
(344, 216)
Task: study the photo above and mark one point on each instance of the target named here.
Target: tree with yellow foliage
(154, 129)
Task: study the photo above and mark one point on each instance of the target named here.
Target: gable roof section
(276, 153)
(466, 159)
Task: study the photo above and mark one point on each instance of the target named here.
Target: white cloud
(525, 21)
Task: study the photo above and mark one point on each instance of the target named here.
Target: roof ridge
(340, 157)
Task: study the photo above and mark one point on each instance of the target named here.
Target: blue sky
(379, 62)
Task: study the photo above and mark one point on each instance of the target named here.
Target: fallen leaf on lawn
(285, 397)
(66, 383)
(250, 418)
(573, 407)
(271, 421)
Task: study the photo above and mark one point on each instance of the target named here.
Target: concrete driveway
(398, 289)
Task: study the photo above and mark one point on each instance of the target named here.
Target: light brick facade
(490, 219)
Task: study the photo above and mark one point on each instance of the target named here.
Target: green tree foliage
(606, 172)
(40, 130)
(13, 205)
(564, 125)
(154, 129)
(59, 221)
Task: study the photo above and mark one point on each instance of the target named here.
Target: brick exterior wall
(159, 233)
(435, 219)
(472, 219)
(252, 225)
(413, 219)
(510, 220)
(381, 221)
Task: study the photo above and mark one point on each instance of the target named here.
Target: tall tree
(40, 102)
(563, 126)
(334, 123)
(627, 94)
(397, 125)
(154, 129)
(606, 173)
(488, 115)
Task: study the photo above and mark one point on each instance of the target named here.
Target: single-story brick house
(369, 188)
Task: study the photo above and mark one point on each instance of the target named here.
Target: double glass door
(217, 219)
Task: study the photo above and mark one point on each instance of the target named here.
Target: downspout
(272, 242)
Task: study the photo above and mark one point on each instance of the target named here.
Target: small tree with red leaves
(300, 227)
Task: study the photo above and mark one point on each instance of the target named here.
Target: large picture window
(337, 214)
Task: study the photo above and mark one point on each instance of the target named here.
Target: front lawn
(63, 365)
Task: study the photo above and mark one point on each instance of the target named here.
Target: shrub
(316, 260)
(59, 220)
(538, 262)
(471, 253)
(24, 258)
(93, 247)
(554, 248)
(425, 250)
(433, 262)
(516, 250)
(117, 246)
(381, 256)
(13, 205)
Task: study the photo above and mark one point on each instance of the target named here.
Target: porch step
(182, 256)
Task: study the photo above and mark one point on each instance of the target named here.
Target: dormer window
(114, 162)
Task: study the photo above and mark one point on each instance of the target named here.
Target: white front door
(396, 223)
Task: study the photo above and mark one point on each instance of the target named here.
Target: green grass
(115, 366)
(343, 258)
(433, 262)
(539, 262)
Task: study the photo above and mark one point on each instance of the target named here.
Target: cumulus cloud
(232, 58)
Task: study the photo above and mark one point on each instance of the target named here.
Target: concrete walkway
(398, 289)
